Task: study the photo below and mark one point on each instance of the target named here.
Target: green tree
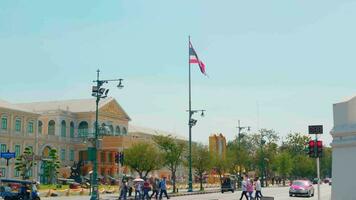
(201, 161)
(51, 166)
(295, 143)
(220, 165)
(284, 165)
(172, 151)
(24, 163)
(143, 157)
(303, 167)
(326, 162)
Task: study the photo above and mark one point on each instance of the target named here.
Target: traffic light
(312, 149)
(319, 146)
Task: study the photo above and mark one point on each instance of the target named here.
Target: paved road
(280, 193)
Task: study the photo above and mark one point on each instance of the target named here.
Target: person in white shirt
(258, 193)
(244, 188)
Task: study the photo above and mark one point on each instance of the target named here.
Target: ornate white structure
(344, 150)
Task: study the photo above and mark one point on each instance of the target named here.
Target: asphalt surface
(279, 193)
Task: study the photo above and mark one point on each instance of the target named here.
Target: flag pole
(190, 180)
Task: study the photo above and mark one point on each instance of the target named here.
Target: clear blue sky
(272, 64)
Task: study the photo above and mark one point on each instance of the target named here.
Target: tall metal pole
(190, 179)
(318, 167)
(95, 194)
(238, 154)
(262, 164)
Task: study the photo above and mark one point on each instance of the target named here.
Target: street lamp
(239, 129)
(192, 122)
(262, 160)
(99, 93)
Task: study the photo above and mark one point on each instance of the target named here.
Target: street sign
(7, 155)
(316, 129)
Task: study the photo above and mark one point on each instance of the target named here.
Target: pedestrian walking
(123, 191)
(146, 189)
(163, 188)
(250, 188)
(155, 188)
(258, 187)
(244, 188)
(130, 186)
(138, 190)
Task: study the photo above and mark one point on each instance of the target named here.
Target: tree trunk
(201, 182)
(174, 181)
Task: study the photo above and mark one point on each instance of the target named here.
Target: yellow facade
(217, 145)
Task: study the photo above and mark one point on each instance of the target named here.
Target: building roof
(150, 131)
(8, 105)
(74, 105)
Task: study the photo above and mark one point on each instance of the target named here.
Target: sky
(272, 64)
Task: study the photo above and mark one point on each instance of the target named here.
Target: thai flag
(193, 59)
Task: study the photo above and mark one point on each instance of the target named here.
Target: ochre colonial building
(66, 126)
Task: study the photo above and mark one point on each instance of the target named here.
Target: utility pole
(318, 167)
(317, 151)
(98, 93)
(239, 129)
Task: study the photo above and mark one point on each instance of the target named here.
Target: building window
(124, 131)
(51, 127)
(17, 149)
(63, 154)
(17, 153)
(109, 157)
(71, 155)
(40, 125)
(71, 131)
(111, 130)
(18, 125)
(3, 148)
(83, 129)
(4, 123)
(17, 173)
(102, 157)
(63, 129)
(30, 127)
(2, 172)
(117, 131)
(29, 173)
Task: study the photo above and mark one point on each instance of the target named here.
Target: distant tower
(217, 145)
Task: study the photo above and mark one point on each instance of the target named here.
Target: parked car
(229, 184)
(301, 188)
(330, 181)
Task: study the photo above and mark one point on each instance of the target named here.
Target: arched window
(4, 122)
(30, 127)
(51, 127)
(83, 129)
(124, 131)
(71, 131)
(117, 131)
(40, 125)
(111, 130)
(63, 129)
(18, 125)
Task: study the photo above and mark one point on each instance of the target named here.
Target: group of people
(142, 189)
(249, 186)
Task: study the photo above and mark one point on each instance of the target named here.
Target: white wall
(344, 173)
